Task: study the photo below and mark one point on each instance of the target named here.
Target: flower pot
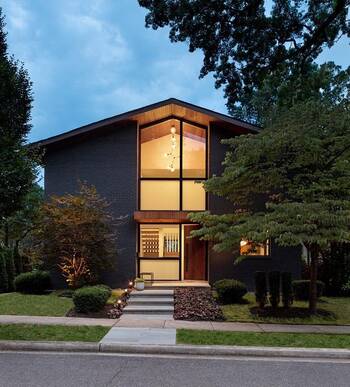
(139, 285)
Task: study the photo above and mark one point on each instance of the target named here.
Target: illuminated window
(252, 248)
(157, 240)
(160, 150)
(160, 195)
(193, 196)
(194, 149)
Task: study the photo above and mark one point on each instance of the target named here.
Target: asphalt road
(55, 369)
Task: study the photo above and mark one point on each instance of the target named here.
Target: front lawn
(308, 340)
(34, 305)
(332, 310)
(51, 332)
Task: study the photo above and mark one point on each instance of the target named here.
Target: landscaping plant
(287, 289)
(10, 269)
(301, 289)
(35, 282)
(230, 291)
(90, 299)
(260, 288)
(75, 270)
(275, 288)
(3, 273)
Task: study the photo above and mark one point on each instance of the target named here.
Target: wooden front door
(194, 255)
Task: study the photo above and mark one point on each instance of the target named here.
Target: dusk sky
(92, 59)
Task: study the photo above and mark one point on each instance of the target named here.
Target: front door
(194, 255)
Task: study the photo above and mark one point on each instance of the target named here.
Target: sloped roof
(157, 111)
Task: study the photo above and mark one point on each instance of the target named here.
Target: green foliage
(18, 162)
(301, 289)
(243, 43)
(230, 291)
(77, 227)
(260, 288)
(90, 299)
(3, 273)
(287, 289)
(106, 288)
(18, 260)
(35, 282)
(274, 286)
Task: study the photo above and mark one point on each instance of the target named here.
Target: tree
(290, 182)
(18, 162)
(75, 228)
(242, 43)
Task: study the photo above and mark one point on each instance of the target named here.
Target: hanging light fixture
(172, 155)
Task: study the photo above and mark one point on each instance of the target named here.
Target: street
(57, 369)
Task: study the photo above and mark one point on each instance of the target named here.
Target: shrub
(18, 260)
(35, 282)
(90, 299)
(10, 269)
(3, 273)
(260, 288)
(106, 288)
(68, 293)
(275, 288)
(287, 289)
(301, 289)
(345, 290)
(230, 291)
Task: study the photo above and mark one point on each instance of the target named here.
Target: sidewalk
(135, 321)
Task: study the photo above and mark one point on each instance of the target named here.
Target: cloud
(17, 16)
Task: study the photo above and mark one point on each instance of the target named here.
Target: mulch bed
(196, 304)
(109, 311)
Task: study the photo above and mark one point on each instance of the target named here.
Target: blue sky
(92, 59)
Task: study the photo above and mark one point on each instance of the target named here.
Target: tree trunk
(313, 279)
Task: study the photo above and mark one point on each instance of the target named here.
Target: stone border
(195, 350)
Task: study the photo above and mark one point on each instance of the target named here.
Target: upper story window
(172, 158)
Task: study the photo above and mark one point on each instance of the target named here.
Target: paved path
(74, 370)
(154, 321)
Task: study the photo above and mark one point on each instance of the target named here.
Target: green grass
(34, 305)
(51, 332)
(333, 310)
(308, 340)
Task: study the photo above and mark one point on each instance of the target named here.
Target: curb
(195, 350)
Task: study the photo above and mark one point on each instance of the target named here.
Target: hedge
(90, 299)
(230, 291)
(35, 282)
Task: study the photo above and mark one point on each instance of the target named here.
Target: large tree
(290, 182)
(17, 172)
(243, 42)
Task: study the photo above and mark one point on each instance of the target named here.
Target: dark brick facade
(109, 162)
(221, 265)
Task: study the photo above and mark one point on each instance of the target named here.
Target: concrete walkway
(167, 322)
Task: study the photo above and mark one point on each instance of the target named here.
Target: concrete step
(152, 293)
(148, 309)
(151, 300)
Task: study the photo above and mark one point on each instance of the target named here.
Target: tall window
(173, 159)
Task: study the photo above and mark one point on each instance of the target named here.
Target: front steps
(150, 302)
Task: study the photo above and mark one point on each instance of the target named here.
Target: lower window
(252, 248)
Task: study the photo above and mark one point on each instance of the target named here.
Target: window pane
(194, 149)
(157, 240)
(252, 248)
(160, 150)
(160, 195)
(193, 196)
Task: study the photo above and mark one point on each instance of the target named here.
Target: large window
(172, 161)
(253, 248)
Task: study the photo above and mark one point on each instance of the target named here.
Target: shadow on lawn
(292, 312)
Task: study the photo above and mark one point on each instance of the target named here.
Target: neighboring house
(147, 164)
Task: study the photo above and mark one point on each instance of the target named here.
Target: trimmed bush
(90, 299)
(106, 288)
(11, 269)
(260, 288)
(275, 288)
(287, 289)
(3, 273)
(230, 291)
(35, 282)
(301, 289)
